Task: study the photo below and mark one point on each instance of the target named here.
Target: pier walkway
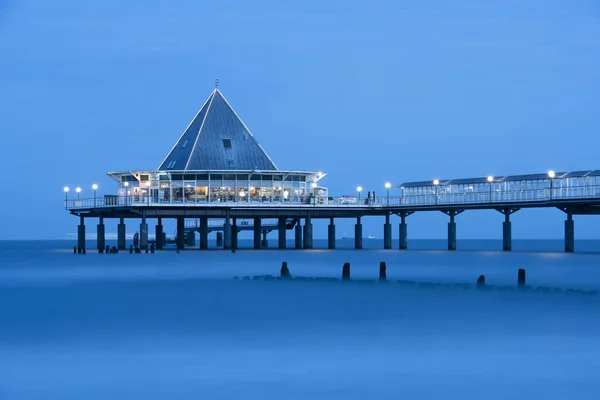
(575, 193)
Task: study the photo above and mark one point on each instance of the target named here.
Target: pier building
(218, 178)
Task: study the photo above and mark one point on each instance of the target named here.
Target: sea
(218, 324)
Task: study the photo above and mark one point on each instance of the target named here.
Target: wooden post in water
(285, 272)
(521, 280)
(481, 281)
(382, 271)
(346, 272)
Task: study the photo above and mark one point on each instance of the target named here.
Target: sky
(367, 91)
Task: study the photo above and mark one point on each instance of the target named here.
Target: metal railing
(127, 201)
(456, 198)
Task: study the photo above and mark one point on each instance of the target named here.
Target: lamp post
(126, 194)
(78, 190)
(436, 183)
(387, 188)
(66, 190)
(94, 188)
(490, 179)
(359, 189)
(551, 175)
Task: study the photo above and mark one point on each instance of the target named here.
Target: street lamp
(94, 188)
(436, 183)
(126, 194)
(551, 175)
(66, 190)
(490, 179)
(387, 188)
(78, 190)
(359, 189)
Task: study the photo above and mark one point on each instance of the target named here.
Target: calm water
(176, 325)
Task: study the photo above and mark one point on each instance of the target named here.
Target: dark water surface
(176, 325)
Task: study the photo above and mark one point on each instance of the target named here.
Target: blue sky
(368, 91)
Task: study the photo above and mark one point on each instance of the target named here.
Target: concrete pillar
(331, 235)
(358, 234)
(265, 243)
(282, 233)
(100, 236)
(180, 233)
(257, 229)
(227, 234)
(81, 234)
(569, 234)
(234, 234)
(403, 232)
(219, 239)
(308, 242)
(298, 235)
(451, 232)
(387, 233)
(506, 232)
(204, 233)
(158, 233)
(121, 240)
(190, 239)
(143, 232)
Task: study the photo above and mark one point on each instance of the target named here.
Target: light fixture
(551, 174)
(78, 190)
(126, 184)
(490, 178)
(66, 189)
(359, 189)
(436, 182)
(388, 185)
(95, 187)
(242, 193)
(314, 185)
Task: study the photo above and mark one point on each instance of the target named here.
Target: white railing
(127, 201)
(457, 198)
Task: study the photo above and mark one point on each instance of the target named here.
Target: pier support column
(403, 231)
(81, 234)
(180, 233)
(144, 232)
(308, 242)
(569, 234)
(204, 233)
(452, 228)
(507, 227)
(121, 241)
(282, 233)
(265, 243)
(298, 235)
(507, 235)
(190, 239)
(158, 233)
(387, 233)
(227, 234)
(331, 234)
(234, 234)
(100, 235)
(358, 234)
(257, 230)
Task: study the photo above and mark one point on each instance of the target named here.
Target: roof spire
(217, 83)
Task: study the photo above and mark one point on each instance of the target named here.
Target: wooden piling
(521, 279)
(346, 271)
(481, 281)
(285, 272)
(382, 271)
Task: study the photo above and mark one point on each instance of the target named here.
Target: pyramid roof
(217, 139)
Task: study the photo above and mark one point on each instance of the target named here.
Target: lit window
(227, 143)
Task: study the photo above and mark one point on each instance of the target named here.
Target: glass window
(227, 143)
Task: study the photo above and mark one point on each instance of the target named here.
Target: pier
(217, 178)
